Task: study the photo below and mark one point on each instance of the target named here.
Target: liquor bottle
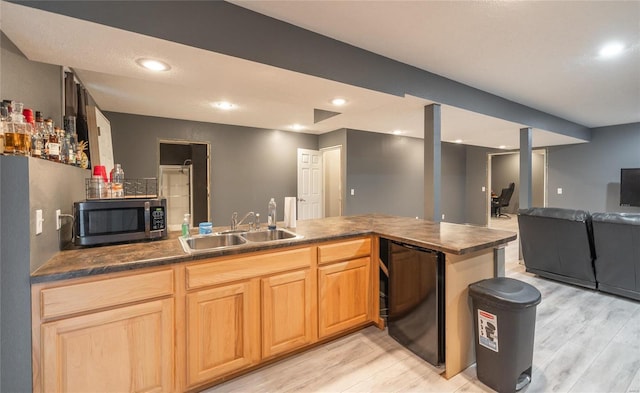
(4, 118)
(64, 150)
(36, 136)
(54, 145)
(17, 132)
(71, 149)
(46, 135)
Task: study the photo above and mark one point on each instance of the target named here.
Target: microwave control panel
(157, 219)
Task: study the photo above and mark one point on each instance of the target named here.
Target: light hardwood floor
(585, 341)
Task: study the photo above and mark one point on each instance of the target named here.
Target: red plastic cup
(101, 171)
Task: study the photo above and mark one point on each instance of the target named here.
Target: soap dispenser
(186, 223)
(271, 218)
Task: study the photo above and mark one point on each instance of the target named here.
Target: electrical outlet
(39, 221)
(58, 220)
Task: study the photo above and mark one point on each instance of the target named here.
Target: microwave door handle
(147, 219)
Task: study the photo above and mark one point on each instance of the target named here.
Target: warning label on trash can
(488, 330)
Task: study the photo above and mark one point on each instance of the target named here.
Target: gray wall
(1, 269)
(454, 174)
(52, 186)
(248, 166)
(589, 173)
(386, 173)
(15, 298)
(37, 85)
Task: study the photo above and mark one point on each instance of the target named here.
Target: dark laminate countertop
(450, 238)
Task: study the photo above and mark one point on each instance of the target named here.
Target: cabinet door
(344, 295)
(124, 349)
(287, 312)
(220, 331)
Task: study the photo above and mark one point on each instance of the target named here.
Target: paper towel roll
(290, 212)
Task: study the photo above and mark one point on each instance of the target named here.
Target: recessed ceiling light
(297, 127)
(338, 101)
(397, 132)
(458, 141)
(611, 49)
(224, 105)
(502, 147)
(153, 65)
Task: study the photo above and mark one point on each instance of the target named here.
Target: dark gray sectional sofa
(617, 264)
(599, 251)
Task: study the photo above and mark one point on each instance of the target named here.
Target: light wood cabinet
(345, 281)
(288, 312)
(243, 309)
(185, 326)
(124, 342)
(343, 296)
(221, 331)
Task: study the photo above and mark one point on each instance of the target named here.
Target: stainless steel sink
(228, 239)
(209, 242)
(266, 236)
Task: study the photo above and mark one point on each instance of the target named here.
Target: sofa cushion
(617, 241)
(557, 243)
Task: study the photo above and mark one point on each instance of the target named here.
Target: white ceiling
(543, 54)
(274, 98)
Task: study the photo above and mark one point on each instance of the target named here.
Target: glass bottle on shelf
(36, 136)
(54, 145)
(4, 118)
(64, 150)
(17, 133)
(71, 149)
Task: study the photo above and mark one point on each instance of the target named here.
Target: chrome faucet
(235, 223)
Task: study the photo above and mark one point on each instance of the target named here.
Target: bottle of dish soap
(186, 223)
(271, 218)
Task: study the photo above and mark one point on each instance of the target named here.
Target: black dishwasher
(415, 299)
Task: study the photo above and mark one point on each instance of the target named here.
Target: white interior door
(309, 184)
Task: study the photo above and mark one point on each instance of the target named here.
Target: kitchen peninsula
(148, 316)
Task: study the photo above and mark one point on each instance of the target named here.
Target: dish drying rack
(132, 188)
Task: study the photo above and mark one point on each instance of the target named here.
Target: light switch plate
(559, 191)
(484, 189)
(353, 191)
(39, 221)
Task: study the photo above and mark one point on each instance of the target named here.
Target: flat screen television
(630, 187)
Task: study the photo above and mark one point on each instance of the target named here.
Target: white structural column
(526, 179)
(432, 163)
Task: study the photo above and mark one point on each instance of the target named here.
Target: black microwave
(119, 220)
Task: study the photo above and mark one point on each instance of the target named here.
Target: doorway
(332, 181)
(184, 181)
(504, 168)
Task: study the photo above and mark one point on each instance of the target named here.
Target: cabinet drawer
(76, 298)
(219, 272)
(344, 250)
